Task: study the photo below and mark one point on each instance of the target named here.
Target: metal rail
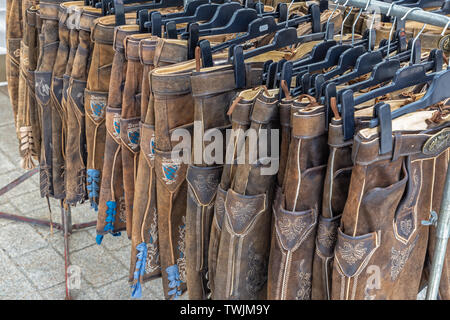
(418, 14)
(442, 234)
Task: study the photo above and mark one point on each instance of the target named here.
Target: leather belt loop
(94, 25)
(140, 51)
(397, 146)
(125, 46)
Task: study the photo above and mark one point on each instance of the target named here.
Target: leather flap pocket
(171, 171)
(130, 133)
(113, 123)
(42, 83)
(293, 227)
(242, 210)
(353, 253)
(327, 235)
(147, 143)
(204, 182)
(95, 105)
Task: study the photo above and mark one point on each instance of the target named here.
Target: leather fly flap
(242, 210)
(293, 227)
(353, 253)
(204, 182)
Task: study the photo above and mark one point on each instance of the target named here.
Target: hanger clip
(205, 48)
(193, 40)
(239, 67)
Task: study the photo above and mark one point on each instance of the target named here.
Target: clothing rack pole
(66, 223)
(443, 225)
(423, 16)
(442, 235)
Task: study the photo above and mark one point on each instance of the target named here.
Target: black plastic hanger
(406, 77)
(282, 38)
(190, 10)
(119, 9)
(288, 37)
(264, 25)
(221, 17)
(437, 92)
(203, 12)
(445, 8)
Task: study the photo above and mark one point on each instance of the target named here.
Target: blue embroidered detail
(110, 217)
(116, 126)
(97, 108)
(152, 145)
(174, 280)
(140, 270)
(133, 136)
(170, 171)
(99, 239)
(93, 180)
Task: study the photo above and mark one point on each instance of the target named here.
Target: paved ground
(32, 260)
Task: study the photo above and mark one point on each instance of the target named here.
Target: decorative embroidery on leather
(122, 214)
(327, 236)
(240, 211)
(304, 291)
(133, 135)
(290, 229)
(42, 88)
(97, 105)
(153, 252)
(406, 226)
(170, 170)
(399, 258)
(152, 147)
(116, 125)
(181, 261)
(206, 183)
(257, 271)
(351, 253)
(219, 209)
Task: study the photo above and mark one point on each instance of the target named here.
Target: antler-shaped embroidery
(241, 211)
(351, 253)
(327, 236)
(206, 183)
(290, 229)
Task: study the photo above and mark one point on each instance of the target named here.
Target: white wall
(3, 26)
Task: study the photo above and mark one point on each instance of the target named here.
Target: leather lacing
(442, 111)
(26, 146)
(44, 178)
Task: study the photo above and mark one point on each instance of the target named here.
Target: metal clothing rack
(66, 223)
(443, 223)
(416, 13)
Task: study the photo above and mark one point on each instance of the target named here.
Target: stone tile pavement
(32, 259)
